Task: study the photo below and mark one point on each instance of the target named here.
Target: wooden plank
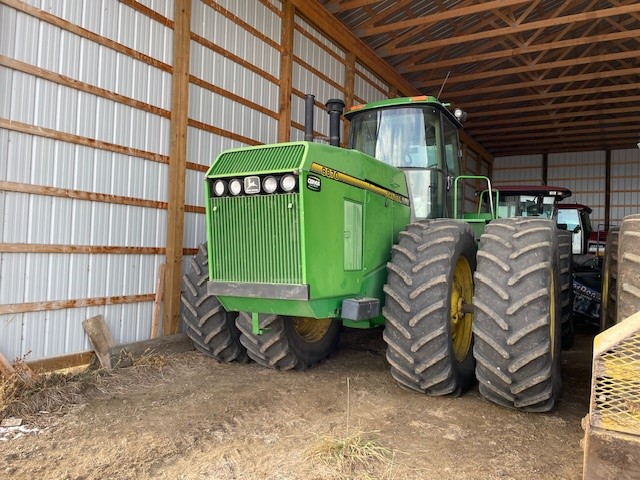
(6, 369)
(177, 163)
(49, 364)
(157, 302)
(100, 339)
(286, 72)
(125, 355)
(607, 191)
(85, 249)
(349, 87)
(74, 303)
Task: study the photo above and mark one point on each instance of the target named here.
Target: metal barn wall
(585, 174)
(85, 92)
(85, 146)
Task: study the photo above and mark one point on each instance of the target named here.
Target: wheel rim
(552, 315)
(311, 330)
(461, 322)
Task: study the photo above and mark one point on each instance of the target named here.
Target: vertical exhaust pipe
(308, 117)
(335, 107)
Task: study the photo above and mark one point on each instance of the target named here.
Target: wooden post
(286, 71)
(177, 163)
(545, 168)
(155, 317)
(607, 191)
(349, 84)
(100, 338)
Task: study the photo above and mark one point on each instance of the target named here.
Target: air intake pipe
(335, 107)
(308, 117)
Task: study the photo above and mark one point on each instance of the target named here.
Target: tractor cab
(524, 201)
(419, 135)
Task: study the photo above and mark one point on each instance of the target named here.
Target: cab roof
(549, 191)
(403, 102)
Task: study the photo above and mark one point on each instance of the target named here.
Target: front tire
(429, 336)
(517, 324)
(289, 343)
(211, 328)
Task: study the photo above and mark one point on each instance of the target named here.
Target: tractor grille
(279, 158)
(256, 239)
(615, 394)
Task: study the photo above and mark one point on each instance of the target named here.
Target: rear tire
(429, 338)
(211, 328)
(609, 293)
(289, 342)
(517, 319)
(566, 288)
(628, 302)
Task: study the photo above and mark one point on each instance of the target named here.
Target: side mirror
(577, 229)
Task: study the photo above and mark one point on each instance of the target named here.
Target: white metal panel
(524, 169)
(363, 88)
(163, 7)
(29, 159)
(625, 184)
(584, 174)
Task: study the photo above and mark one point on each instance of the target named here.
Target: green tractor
(306, 238)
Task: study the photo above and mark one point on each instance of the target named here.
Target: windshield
(404, 137)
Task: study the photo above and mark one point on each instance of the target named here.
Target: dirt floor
(189, 417)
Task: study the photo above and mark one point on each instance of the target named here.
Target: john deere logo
(251, 185)
(313, 183)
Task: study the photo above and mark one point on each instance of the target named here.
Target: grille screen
(256, 239)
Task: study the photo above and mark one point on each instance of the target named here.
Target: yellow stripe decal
(356, 182)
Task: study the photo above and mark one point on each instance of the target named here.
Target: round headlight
(270, 184)
(288, 183)
(235, 187)
(219, 188)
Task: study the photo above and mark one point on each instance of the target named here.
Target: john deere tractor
(305, 238)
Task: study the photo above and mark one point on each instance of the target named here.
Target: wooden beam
(510, 52)
(49, 364)
(629, 73)
(581, 60)
(496, 32)
(349, 86)
(286, 71)
(607, 191)
(177, 163)
(73, 303)
(432, 18)
(545, 168)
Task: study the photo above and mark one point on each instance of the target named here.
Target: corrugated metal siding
(584, 174)
(31, 159)
(307, 81)
(525, 169)
(368, 87)
(236, 124)
(625, 184)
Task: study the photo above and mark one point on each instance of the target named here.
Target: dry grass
(28, 395)
(354, 456)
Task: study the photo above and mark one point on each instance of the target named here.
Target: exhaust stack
(335, 107)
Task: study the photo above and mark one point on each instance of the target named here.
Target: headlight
(288, 183)
(235, 187)
(270, 184)
(219, 188)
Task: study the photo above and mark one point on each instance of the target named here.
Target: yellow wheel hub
(461, 322)
(311, 330)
